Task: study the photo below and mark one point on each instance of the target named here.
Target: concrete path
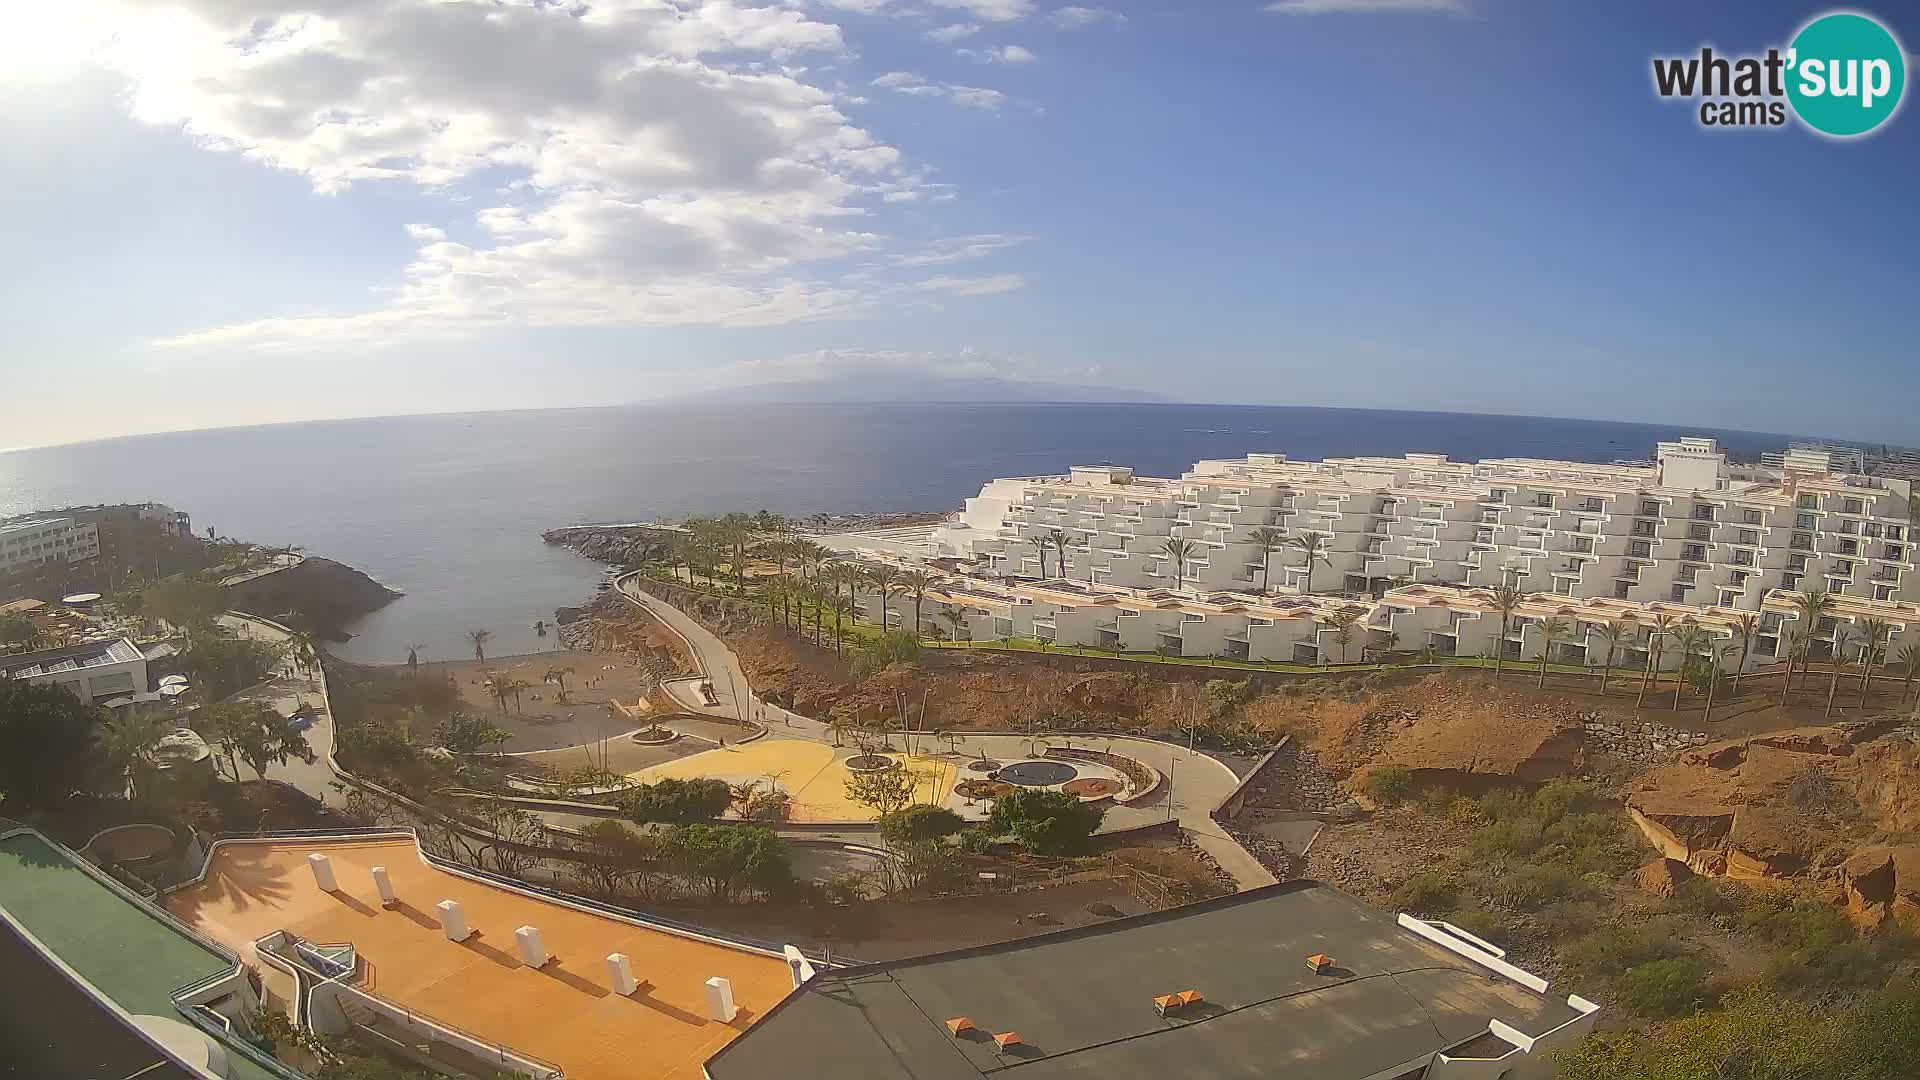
(1196, 784)
(286, 692)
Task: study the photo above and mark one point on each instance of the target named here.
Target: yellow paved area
(810, 772)
(564, 1012)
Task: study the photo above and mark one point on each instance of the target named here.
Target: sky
(227, 212)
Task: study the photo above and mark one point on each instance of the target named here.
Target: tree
(1507, 599)
(465, 733)
(1040, 544)
(1047, 822)
(480, 639)
(729, 861)
(673, 800)
(47, 737)
(1613, 632)
(956, 619)
(1551, 630)
(1795, 643)
(1058, 538)
(557, 676)
(1841, 632)
(413, 657)
(1313, 546)
(916, 824)
(916, 583)
(1689, 641)
(252, 732)
(1269, 540)
(500, 687)
(1179, 550)
(884, 791)
(878, 653)
(881, 580)
(183, 601)
(1715, 656)
(616, 855)
(1656, 643)
(1342, 622)
(222, 665)
(304, 650)
(1878, 634)
(17, 629)
(126, 739)
(1746, 627)
(842, 614)
(1906, 660)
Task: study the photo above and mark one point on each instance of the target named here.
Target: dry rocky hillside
(1836, 804)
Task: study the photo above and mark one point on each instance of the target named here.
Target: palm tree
(1551, 630)
(1042, 545)
(955, 619)
(514, 687)
(480, 639)
(1841, 632)
(916, 583)
(1872, 652)
(1810, 608)
(413, 657)
(125, 740)
(1507, 599)
(1746, 627)
(1342, 622)
(304, 650)
(1613, 632)
(1907, 660)
(1058, 538)
(1269, 540)
(1795, 642)
(1656, 642)
(881, 580)
(842, 610)
(558, 677)
(1689, 641)
(1179, 550)
(500, 687)
(1714, 657)
(1313, 546)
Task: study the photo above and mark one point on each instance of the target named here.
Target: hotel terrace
(1417, 545)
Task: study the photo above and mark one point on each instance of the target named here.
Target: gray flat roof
(72, 658)
(1082, 1001)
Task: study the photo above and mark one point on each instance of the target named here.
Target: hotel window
(1640, 549)
(1729, 599)
(1803, 521)
(1883, 592)
(1746, 536)
(1871, 528)
(1643, 528)
(1543, 499)
(1620, 590)
(1842, 568)
(1797, 563)
(1894, 551)
(1850, 506)
(1498, 495)
(1698, 532)
(1848, 547)
(1802, 541)
(1583, 545)
(1742, 558)
(1594, 505)
(1752, 517)
(1703, 513)
(1849, 526)
(1809, 502)
(1740, 578)
(1789, 581)
(1893, 532)
(1649, 508)
(1678, 593)
(1696, 552)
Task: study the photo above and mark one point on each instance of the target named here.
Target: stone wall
(1637, 742)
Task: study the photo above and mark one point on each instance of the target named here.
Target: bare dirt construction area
(536, 716)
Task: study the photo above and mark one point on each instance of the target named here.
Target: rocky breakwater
(319, 595)
(1834, 804)
(615, 545)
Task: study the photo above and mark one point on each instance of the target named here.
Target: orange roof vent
(1168, 1003)
(959, 1026)
(1319, 963)
(1008, 1038)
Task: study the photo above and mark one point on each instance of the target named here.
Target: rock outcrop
(1882, 883)
(1661, 877)
(320, 594)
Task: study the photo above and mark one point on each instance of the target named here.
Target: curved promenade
(1196, 784)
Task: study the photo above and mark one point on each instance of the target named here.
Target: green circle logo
(1845, 74)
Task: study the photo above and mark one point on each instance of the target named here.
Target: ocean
(449, 509)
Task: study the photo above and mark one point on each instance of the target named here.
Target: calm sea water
(449, 509)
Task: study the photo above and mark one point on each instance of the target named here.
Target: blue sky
(246, 211)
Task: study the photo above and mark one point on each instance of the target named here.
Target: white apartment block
(31, 542)
(1414, 547)
(94, 671)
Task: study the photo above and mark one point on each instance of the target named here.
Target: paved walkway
(1196, 784)
(287, 691)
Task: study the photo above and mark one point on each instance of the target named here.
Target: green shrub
(1609, 951)
(1387, 784)
(1481, 924)
(1663, 988)
(1701, 896)
(919, 823)
(1048, 822)
(1513, 837)
(1530, 888)
(1425, 893)
(676, 801)
(884, 650)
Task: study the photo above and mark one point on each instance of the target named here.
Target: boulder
(1661, 877)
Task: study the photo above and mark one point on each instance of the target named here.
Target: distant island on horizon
(883, 387)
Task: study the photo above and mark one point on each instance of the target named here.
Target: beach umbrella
(174, 680)
(174, 690)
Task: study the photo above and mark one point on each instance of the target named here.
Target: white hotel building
(28, 543)
(1417, 543)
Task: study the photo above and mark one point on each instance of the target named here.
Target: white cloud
(953, 32)
(1076, 18)
(957, 248)
(975, 286)
(990, 10)
(906, 82)
(1369, 7)
(1004, 54)
(624, 163)
(967, 362)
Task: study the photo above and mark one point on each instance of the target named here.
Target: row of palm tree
(1311, 545)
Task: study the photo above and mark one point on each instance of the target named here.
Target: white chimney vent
(384, 884)
(620, 974)
(533, 951)
(799, 966)
(453, 920)
(720, 1004)
(323, 873)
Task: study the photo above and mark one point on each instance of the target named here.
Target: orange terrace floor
(565, 1012)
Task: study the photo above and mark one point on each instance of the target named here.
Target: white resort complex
(1265, 559)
